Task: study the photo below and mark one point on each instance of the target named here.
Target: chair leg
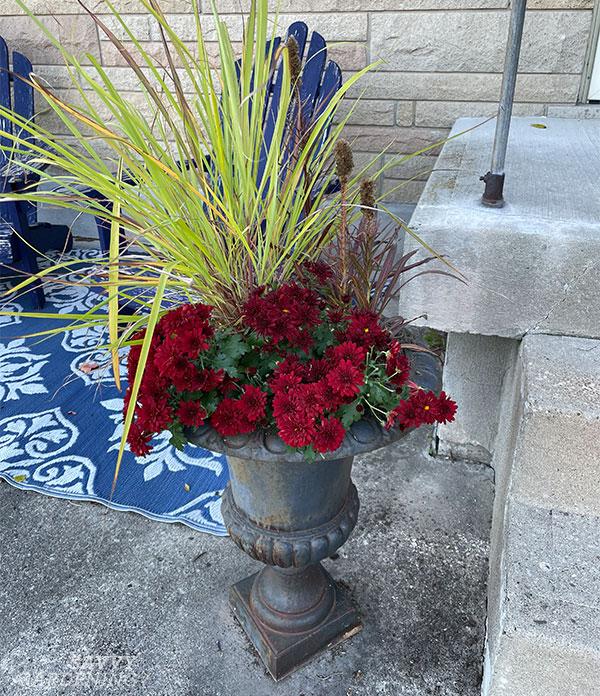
(27, 255)
(45, 236)
(30, 267)
(103, 234)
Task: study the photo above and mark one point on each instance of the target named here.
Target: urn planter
(290, 514)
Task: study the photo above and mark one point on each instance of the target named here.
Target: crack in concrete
(568, 287)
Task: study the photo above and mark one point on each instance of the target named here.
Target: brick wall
(443, 59)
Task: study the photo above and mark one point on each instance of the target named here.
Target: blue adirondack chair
(18, 221)
(320, 80)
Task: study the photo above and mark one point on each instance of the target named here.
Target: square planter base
(282, 653)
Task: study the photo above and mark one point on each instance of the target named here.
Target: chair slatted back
(22, 90)
(5, 98)
(320, 80)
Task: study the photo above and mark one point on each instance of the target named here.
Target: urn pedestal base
(291, 512)
(282, 651)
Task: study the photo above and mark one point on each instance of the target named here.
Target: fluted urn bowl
(290, 514)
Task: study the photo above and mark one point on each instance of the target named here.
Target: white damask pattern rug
(61, 423)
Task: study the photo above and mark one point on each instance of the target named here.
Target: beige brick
(405, 113)
(581, 111)
(76, 33)
(366, 164)
(348, 55)
(418, 167)
(64, 7)
(396, 138)
(111, 56)
(139, 25)
(443, 114)
(443, 4)
(376, 112)
(145, 28)
(49, 119)
(365, 5)
(339, 26)
(553, 42)
(465, 86)
(368, 112)
(560, 4)
(402, 191)
(122, 79)
(134, 6)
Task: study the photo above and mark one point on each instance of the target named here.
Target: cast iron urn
(290, 514)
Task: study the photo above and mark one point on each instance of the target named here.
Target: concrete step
(532, 266)
(544, 591)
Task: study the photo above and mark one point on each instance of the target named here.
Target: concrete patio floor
(94, 601)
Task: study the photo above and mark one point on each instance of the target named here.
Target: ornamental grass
(265, 283)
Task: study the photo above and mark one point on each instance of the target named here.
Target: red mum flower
(364, 330)
(336, 316)
(330, 435)
(207, 380)
(398, 369)
(155, 414)
(138, 441)
(228, 385)
(192, 342)
(316, 370)
(321, 271)
(290, 365)
(284, 405)
(346, 379)
(281, 384)
(183, 374)
(191, 413)
(258, 313)
(201, 312)
(445, 409)
(228, 419)
(329, 396)
(296, 432)
(418, 409)
(253, 403)
(303, 340)
(348, 351)
(424, 403)
(309, 398)
(183, 317)
(153, 386)
(405, 415)
(134, 355)
(162, 356)
(283, 313)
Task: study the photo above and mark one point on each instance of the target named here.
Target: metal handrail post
(494, 179)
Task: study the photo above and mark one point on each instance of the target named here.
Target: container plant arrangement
(260, 329)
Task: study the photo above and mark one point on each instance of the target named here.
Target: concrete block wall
(442, 59)
(544, 589)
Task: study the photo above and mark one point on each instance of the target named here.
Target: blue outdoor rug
(60, 425)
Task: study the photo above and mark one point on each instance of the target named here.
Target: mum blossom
(228, 420)
(346, 379)
(191, 413)
(296, 432)
(253, 403)
(329, 436)
(289, 373)
(138, 440)
(445, 408)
